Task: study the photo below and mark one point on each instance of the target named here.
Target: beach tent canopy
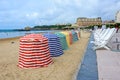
(75, 37)
(67, 37)
(34, 51)
(70, 34)
(78, 34)
(54, 44)
(62, 40)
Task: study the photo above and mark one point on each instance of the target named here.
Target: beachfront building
(117, 17)
(108, 22)
(84, 22)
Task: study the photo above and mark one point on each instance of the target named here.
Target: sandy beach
(63, 68)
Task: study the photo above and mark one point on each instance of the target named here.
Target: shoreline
(10, 38)
(63, 68)
(4, 35)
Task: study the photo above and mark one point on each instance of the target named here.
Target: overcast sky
(21, 13)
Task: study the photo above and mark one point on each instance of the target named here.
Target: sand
(63, 68)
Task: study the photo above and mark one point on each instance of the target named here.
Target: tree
(27, 28)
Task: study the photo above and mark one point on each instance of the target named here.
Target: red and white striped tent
(34, 51)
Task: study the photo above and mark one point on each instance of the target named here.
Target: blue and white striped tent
(54, 44)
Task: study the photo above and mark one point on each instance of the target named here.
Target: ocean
(16, 33)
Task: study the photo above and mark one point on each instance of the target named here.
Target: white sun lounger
(102, 42)
(98, 35)
(102, 35)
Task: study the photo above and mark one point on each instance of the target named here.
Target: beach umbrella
(34, 51)
(54, 44)
(63, 41)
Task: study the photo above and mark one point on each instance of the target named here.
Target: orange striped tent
(70, 37)
(34, 52)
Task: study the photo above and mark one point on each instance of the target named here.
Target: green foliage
(110, 25)
(50, 26)
(91, 27)
(118, 24)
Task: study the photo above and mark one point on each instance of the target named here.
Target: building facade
(108, 22)
(117, 17)
(83, 21)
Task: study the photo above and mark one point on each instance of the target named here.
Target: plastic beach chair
(102, 35)
(102, 42)
(98, 35)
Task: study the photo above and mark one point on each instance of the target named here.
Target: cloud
(108, 9)
(35, 12)
(32, 15)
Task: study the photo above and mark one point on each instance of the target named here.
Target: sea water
(12, 33)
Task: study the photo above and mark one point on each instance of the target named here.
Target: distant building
(83, 21)
(109, 22)
(117, 17)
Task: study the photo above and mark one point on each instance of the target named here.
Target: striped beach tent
(78, 33)
(75, 37)
(34, 51)
(62, 40)
(67, 37)
(54, 44)
(70, 34)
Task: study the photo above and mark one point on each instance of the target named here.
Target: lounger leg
(106, 48)
(98, 47)
(95, 47)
